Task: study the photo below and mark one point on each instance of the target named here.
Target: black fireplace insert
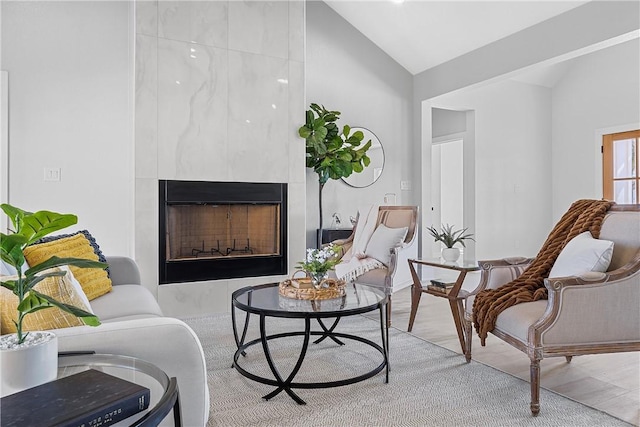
(221, 230)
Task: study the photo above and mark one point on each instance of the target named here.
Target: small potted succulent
(29, 359)
(450, 237)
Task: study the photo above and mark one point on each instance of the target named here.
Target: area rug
(428, 385)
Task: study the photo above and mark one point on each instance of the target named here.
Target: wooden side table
(455, 294)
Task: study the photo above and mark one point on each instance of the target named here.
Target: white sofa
(133, 325)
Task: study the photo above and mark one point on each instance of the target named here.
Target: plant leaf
(29, 282)
(55, 261)
(11, 249)
(41, 223)
(305, 132)
(9, 284)
(15, 214)
(45, 301)
(32, 303)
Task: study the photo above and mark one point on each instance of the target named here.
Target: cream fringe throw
(358, 263)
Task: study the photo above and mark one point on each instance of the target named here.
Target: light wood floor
(608, 382)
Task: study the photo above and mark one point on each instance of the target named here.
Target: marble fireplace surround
(219, 96)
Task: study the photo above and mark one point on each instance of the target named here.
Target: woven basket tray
(303, 289)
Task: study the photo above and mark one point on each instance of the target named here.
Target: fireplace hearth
(221, 230)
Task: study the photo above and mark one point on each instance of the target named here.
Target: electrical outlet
(405, 185)
(52, 174)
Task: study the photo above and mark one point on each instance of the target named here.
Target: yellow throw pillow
(94, 281)
(59, 288)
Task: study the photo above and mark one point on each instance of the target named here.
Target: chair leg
(468, 335)
(389, 313)
(535, 386)
(568, 358)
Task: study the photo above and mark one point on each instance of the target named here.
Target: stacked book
(86, 399)
(440, 286)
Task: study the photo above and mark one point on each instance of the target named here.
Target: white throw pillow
(77, 287)
(382, 240)
(583, 254)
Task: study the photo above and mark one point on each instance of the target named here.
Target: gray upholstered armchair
(587, 314)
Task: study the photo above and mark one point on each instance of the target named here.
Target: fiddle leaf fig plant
(330, 152)
(28, 228)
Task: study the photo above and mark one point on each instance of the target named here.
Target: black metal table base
(288, 384)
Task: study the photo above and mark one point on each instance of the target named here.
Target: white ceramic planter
(451, 254)
(28, 365)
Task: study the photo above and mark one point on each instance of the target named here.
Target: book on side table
(87, 399)
(440, 286)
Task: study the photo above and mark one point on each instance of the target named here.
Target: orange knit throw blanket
(583, 215)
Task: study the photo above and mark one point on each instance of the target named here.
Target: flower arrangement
(319, 261)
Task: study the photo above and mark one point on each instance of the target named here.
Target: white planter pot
(451, 254)
(33, 363)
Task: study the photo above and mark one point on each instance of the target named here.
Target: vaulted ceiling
(420, 34)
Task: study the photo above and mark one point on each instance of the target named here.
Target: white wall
(512, 166)
(69, 69)
(348, 73)
(595, 25)
(600, 92)
(447, 122)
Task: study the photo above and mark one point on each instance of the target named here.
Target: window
(620, 172)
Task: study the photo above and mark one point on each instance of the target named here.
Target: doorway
(447, 184)
(452, 177)
(449, 167)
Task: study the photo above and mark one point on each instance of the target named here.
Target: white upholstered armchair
(589, 313)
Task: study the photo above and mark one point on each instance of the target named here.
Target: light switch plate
(52, 174)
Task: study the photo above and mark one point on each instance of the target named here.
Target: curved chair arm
(400, 255)
(340, 242)
(393, 264)
(344, 244)
(123, 270)
(497, 272)
(596, 310)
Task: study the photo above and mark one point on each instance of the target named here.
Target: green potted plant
(22, 348)
(331, 154)
(318, 263)
(450, 237)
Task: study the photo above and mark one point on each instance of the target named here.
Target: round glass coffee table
(266, 302)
